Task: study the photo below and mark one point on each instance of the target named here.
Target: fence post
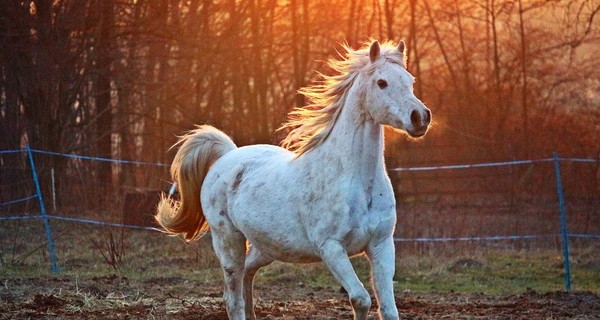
(49, 238)
(563, 221)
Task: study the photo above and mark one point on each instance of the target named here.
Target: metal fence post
(563, 221)
(49, 238)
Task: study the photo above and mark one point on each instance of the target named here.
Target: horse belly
(283, 244)
(288, 240)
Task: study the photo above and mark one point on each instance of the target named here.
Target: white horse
(324, 197)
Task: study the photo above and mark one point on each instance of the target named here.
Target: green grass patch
(498, 272)
(82, 251)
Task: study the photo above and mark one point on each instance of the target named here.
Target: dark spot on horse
(228, 271)
(254, 192)
(222, 213)
(221, 224)
(237, 181)
(213, 201)
(381, 194)
(347, 238)
(331, 229)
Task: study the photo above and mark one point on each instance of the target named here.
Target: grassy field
(97, 251)
(109, 273)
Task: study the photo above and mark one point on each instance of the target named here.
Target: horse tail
(198, 150)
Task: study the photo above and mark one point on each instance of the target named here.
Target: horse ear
(402, 47)
(402, 50)
(374, 51)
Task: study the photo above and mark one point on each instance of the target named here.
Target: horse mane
(312, 124)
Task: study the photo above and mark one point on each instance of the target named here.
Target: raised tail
(198, 150)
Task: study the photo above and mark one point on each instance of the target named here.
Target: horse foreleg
(382, 257)
(336, 259)
(254, 261)
(230, 247)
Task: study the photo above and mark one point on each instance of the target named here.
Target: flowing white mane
(312, 124)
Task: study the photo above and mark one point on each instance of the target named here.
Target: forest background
(505, 79)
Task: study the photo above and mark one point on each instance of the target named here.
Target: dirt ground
(118, 297)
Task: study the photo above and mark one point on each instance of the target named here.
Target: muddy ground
(118, 297)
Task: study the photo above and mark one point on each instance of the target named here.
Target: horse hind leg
(230, 247)
(254, 261)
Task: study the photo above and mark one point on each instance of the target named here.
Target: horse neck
(355, 144)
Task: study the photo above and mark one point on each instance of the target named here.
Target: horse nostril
(427, 116)
(415, 119)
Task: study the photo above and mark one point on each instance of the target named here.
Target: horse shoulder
(382, 211)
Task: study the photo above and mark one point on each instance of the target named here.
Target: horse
(324, 195)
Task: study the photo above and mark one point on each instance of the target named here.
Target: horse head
(389, 97)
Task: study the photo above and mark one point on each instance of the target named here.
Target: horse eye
(382, 83)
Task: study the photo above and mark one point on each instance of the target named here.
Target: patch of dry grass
(147, 255)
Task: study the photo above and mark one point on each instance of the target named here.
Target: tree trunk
(414, 47)
(103, 95)
(389, 20)
(524, 107)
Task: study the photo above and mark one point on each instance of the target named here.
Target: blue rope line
(491, 164)
(578, 160)
(580, 235)
(448, 239)
(448, 167)
(20, 217)
(11, 151)
(475, 165)
(74, 156)
(490, 238)
(18, 200)
(104, 223)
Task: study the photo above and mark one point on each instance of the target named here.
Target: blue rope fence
(88, 221)
(11, 151)
(75, 156)
(481, 238)
(18, 200)
(20, 217)
(555, 159)
(494, 164)
(425, 168)
(471, 166)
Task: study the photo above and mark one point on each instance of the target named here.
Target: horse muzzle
(420, 118)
